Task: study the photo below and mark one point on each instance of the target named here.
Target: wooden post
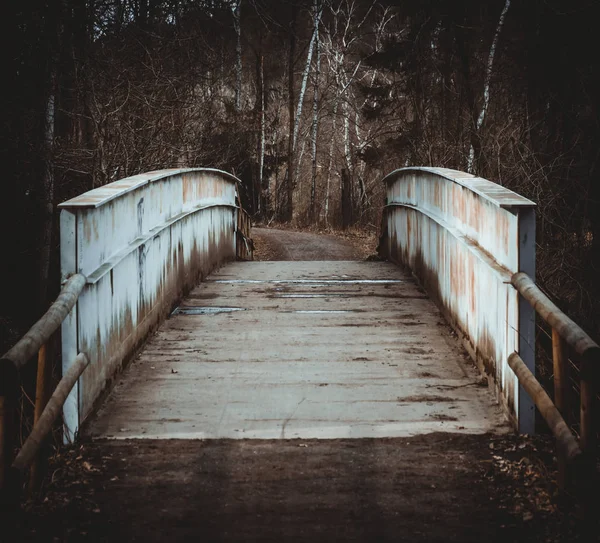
(50, 413)
(40, 403)
(564, 437)
(559, 359)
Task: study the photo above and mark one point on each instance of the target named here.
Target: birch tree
(264, 188)
(289, 201)
(315, 117)
(486, 85)
(306, 72)
(47, 188)
(236, 8)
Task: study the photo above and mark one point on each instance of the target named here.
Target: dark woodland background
(292, 96)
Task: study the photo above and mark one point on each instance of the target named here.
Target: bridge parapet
(141, 242)
(464, 237)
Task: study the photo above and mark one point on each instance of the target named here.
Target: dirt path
(436, 487)
(276, 244)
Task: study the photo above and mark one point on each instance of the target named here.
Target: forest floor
(434, 487)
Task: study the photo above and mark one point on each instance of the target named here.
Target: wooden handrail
(569, 330)
(565, 332)
(17, 357)
(29, 449)
(41, 331)
(558, 426)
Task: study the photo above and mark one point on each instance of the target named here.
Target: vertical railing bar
(527, 316)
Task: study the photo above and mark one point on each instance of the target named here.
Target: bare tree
(315, 118)
(486, 85)
(236, 8)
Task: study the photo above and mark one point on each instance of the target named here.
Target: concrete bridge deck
(270, 350)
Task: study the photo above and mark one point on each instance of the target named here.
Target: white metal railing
(140, 242)
(464, 237)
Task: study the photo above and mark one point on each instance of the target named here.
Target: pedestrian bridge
(438, 336)
(143, 242)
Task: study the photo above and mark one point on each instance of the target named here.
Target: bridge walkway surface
(299, 401)
(274, 350)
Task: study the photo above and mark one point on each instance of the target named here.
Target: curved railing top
(492, 192)
(102, 195)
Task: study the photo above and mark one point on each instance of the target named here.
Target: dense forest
(310, 103)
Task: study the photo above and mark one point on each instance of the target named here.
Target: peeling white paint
(462, 235)
(140, 242)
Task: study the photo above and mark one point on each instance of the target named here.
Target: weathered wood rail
(11, 364)
(578, 456)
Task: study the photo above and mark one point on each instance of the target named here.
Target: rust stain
(90, 228)
(437, 194)
(485, 350)
(509, 393)
(457, 274)
(111, 348)
(473, 212)
(503, 226)
(188, 185)
(472, 289)
(458, 197)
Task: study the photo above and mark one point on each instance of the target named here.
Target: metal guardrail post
(526, 408)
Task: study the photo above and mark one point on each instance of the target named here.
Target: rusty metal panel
(460, 235)
(141, 243)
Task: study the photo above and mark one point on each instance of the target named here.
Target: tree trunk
(263, 197)
(486, 90)
(47, 196)
(346, 199)
(46, 190)
(309, 55)
(289, 201)
(236, 10)
(467, 92)
(315, 121)
(330, 160)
